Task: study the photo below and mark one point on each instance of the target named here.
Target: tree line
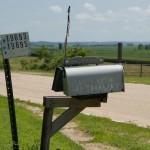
(44, 59)
(142, 47)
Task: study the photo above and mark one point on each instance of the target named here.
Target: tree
(43, 53)
(60, 46)
(78, 51)
(140, 46)
(147, 47)
(42, 60)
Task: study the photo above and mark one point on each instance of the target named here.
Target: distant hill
(40, 43)
(55, 44)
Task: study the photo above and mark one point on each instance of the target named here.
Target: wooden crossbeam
(75, 106)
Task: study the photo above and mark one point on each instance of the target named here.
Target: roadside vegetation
(44, 60)
(137, 79)
(29, 130)
(120, 135)
(103, 130)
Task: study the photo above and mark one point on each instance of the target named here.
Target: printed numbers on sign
(15, 45)
(16, 37)
(16, 41)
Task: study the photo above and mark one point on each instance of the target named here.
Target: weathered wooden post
(141, 70)
(120, 45)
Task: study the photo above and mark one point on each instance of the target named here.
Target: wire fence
(142, 70)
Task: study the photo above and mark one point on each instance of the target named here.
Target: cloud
(56, 9)
(89, 7)
(83, 17)
(132, 15)
(148, 10)
(98, 17)
(135, 9)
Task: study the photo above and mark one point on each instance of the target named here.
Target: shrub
(78, 51)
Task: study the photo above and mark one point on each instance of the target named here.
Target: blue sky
(91, 20)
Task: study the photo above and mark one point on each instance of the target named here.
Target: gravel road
(133, 105)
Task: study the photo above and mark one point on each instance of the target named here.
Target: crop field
(128, 53)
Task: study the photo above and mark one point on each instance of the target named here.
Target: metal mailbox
(91, 80)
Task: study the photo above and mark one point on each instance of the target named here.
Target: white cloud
(98, 17)
(89, 7)
(135, 9)
(109, 12)
(148, 10)
(83, 17)
(128, 16)
(56, 9)
(90, 17)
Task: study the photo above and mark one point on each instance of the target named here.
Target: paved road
(133, 105)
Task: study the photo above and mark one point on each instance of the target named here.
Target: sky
(90, 20)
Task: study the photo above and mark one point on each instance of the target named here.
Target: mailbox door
(58, 80)
(91, 80)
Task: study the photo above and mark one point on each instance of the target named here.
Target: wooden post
(120, 52)
(46, 128)
(75, 105)
(141, 70)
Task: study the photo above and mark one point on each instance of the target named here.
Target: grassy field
(128, 53)
(136, 79)
(29, 131)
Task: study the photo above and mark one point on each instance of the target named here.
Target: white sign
(15, 45)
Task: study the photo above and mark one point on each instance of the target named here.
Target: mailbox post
(84, 86)
(75, 106)
(120, 45)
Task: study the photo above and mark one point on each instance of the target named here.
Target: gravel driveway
(133, 105)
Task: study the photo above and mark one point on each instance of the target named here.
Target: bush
(78, 51)
(46, 61)
(24, 64)
(42, 60)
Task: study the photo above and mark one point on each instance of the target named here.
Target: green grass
(121, 135)
(29, 131)
(115, 134)
(128, 53)
(136, 79)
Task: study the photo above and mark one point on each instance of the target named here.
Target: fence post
(120, 52)
(141, 70)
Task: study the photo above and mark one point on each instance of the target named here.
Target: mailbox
(91, 80)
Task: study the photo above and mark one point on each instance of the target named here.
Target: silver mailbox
(90, 80)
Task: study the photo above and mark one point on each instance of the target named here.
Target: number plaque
(15, 45)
